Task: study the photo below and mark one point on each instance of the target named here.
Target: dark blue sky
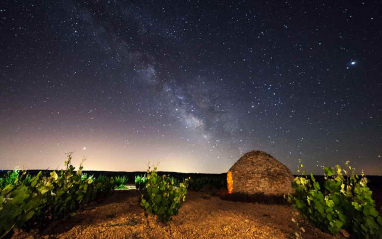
(190, 84)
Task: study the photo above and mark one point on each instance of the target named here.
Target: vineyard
(27, 201)
(70, 203)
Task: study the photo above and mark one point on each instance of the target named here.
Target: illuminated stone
(229, 182)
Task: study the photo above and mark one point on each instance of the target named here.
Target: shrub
(161, 197)
(175, 181)
(103, 185)
(9, 178)
(140, 182)
(342, 201)
(28, 201)
(120, 181)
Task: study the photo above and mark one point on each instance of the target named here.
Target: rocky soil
(201, 216)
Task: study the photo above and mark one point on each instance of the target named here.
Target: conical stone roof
(258, 172)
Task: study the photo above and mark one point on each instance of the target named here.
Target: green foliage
(176, 182)
(9, 178)
(197, 183)
(29, 201)
(27, 179)
(342, 201)
(162, 197)
(140, 181)
(120, 182)
(104, 185)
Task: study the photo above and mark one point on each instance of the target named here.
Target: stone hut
(258, 172)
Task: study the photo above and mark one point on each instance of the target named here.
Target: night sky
(190, 84)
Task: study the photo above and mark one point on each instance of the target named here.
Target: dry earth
(201, 216)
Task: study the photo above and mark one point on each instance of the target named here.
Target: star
(179, 84)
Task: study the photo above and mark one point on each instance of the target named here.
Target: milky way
(190, 84)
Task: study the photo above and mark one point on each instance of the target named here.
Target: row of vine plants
(342, 201)
(28, 202)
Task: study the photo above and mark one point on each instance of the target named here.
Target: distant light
(353, 63)
(84, 148)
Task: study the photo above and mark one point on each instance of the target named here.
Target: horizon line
(7, 170)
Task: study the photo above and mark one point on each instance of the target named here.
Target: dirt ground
(201, 216)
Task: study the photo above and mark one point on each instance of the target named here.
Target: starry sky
(190, 84)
